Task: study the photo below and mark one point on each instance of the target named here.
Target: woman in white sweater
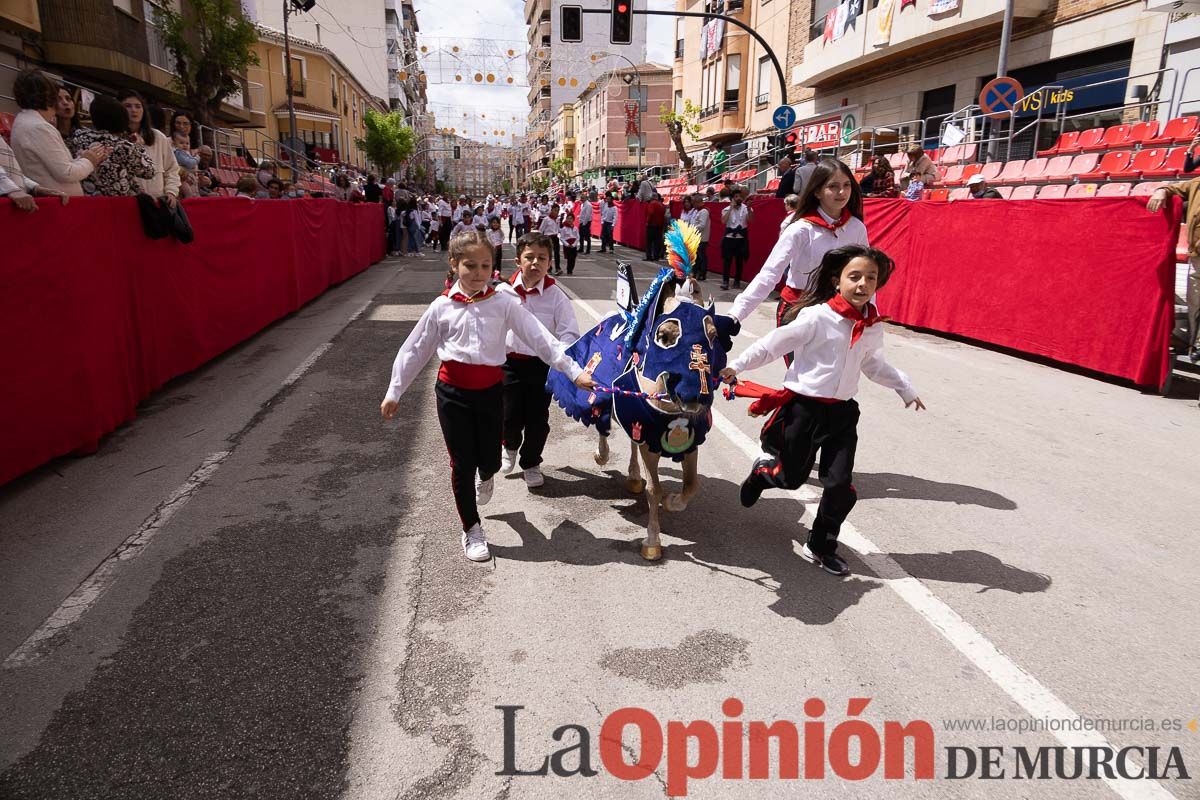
(165, 183)
(39, 148)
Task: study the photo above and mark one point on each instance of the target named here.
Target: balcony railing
(762, 99)
(709, 111)
(298, 86)
(157, 47)
(679, 48)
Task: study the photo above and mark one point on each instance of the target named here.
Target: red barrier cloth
(1088, 282)
(94, 316)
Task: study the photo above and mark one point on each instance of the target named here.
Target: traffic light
(457, 151)
(621, 31)
(571, 24)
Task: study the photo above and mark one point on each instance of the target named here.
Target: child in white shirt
(496, 237)
(548, 227)
(834, 338)
(568, 234)
(467, 326)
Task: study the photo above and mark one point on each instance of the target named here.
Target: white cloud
(660, 33)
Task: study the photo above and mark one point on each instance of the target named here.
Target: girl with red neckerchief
(829, 216)
(467, 327)
(834, 337)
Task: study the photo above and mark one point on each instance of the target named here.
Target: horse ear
(727, 327)
(670, 304)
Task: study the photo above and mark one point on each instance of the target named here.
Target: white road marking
(1022, 687)
(94, 585)
(396, 313)
(306, 364)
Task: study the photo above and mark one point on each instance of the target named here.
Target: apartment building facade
(330, 103)
(479, 170)
(608, 110)
(406, 80)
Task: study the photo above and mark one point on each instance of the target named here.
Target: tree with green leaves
(562, 168)
(506, 186)
(539, 183)
(388, 143)
(212, 43)
(678, 123)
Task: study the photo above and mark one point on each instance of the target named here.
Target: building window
(299, 73)
(819, 9)
(679, 101)
(763, 95)
(124, 5)
(678, 48)
(733, 79)
(640, 96)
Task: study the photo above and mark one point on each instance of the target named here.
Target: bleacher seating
(1026, 192)
(1111, 162)
(1087, 141)
(1010, 172)
(1142, 160)
(1058, 168)
(1052, 191)
(1172, 167)
(1143, 132)
(961, 193)
(1004, 191)
(1082, 190)
(897, 160)
(952, 176)
(1177, 131)
(991, 170)
(1146, 188)
(1115, 136)
(1066, 141)
(939, 194)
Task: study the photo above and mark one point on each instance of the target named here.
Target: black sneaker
(830, 562)
(752, 489)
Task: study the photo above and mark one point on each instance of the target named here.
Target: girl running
(467, 327)
(829, 216)
(834, 336)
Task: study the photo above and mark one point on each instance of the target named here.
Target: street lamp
(637, 77)
(301, 6)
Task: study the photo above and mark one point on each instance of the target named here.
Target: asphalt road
(256, 589)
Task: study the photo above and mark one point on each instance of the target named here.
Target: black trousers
(471, 421)
(701, 270)
(557, 253)
(793, 436)
(444, 233)
(526, 409)
(654, 242)
(570, 253)
(498, 259)
(733, 253)
(585, 236)
(606, 237)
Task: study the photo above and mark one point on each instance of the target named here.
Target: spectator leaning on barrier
(118, 174)
(39, 147)
(1190, 192)
(247, 186)
(206, 179)
(164, 185)
(978, 188)
(372, 191)
(18, 188)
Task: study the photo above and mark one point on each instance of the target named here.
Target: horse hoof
(652, 552)
(674, 502)
(600, 458)
(635, 485)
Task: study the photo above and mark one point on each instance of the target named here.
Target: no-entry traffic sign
(1000, 96)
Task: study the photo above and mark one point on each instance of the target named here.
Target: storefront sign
(820, 134)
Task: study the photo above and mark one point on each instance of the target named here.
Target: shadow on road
(756, 545)
(876, 485)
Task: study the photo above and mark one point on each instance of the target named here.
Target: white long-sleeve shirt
(548, 226)
(12, 179)
(585, 212)
(550, 304)
(166, 168)
(474, 333)
(825, 364)
(608, 213)
(801, 246)
(44, 157)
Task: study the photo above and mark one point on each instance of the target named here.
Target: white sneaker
(483, 490)
(534, 477)
(475, 545)
(508, 461)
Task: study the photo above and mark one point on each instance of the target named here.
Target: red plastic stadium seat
(1052, 192)
(897, 160)
(1058, 168)
(1066, 140)
(1087, 141)
(1177, 131)
(1011, 172)
(1146, 188)
(772, 185)
(1083, 164)
(951, 155)
(1112, 162)
(1034, 169)
(953, 176)
(1023, 193)
(1142, 160)
(6, 121)
(1170, 168)
(1004, 191)
(1116, 136)
(939, 194)
(969, 170)
(1114, 190)
(991, 170)
(961, 193)
(1081, 190)
(966, 152)
(1143, 132)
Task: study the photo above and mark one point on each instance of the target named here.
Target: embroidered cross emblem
(593, 363)
(699, 363)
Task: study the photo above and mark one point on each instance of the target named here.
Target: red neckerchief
(517, 284)
(459, 297)
(861, 322)
(816, 219)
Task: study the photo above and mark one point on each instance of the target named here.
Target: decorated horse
(656, 362)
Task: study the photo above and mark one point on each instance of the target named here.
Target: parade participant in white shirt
(735, 244)
(608, 223)
(496, 237)
(467, 326)
(568, 234)
(445, 213)
(829, 216)
(697, 216)
(518, 216)
(585, 224)
(526, 402)
(548, 227)
(835, 337)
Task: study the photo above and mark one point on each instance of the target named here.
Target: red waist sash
(470, 376)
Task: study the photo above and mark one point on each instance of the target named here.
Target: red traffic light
(622, 8)
(621, 30)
